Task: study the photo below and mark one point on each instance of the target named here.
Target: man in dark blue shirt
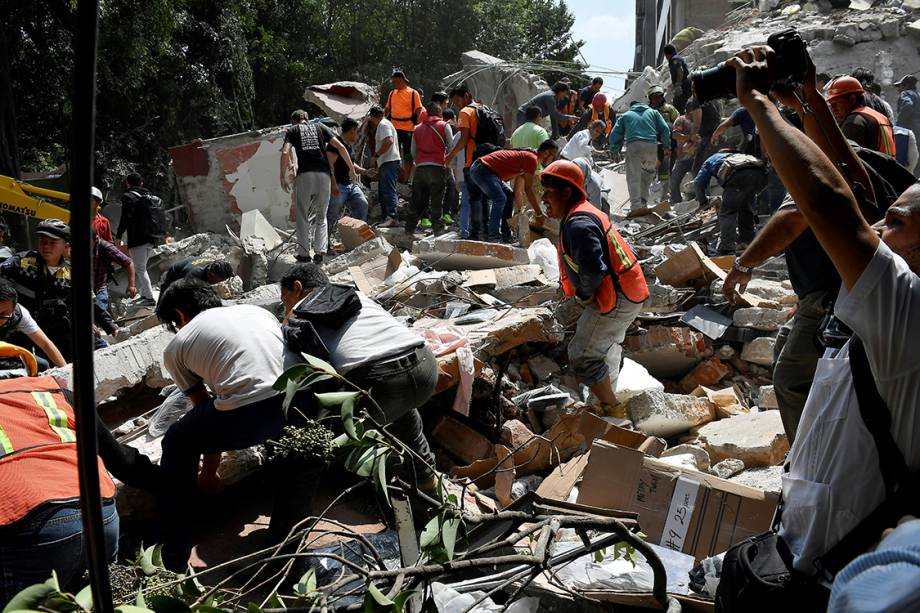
(742, 177)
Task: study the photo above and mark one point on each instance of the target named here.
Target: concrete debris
(757, 439)
(342, 99)
(666, 415)
(354, 232)
(768, 479)
(768, 320)
(728, 468)
(708, 372)
(768, 398)
(447, 252)
(689, 456)
(667, 352)
(759, 351)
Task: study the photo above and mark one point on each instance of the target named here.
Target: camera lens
(712, 83)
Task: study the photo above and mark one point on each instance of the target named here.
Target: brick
(354, 232)
(706, 373)
(462, 441)
(515, 434)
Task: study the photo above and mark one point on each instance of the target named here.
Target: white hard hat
(97, 193)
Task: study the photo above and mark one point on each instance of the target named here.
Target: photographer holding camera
(849, 470)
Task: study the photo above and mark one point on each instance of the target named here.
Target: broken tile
(707, 373)
(354, 232)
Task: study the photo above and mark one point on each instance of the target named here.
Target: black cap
(908, 80)
(55, 228)
(399, 73)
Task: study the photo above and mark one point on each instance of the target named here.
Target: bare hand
(334, 188)
(132, 291)
(738, 279)
(285, 185)
(753, 73)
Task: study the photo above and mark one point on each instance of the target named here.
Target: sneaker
(447, 219)
(425, 224)
(389, 222)
(146, 302)
(318, 258)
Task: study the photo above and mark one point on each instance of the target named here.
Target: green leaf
(206, 608)
(400, 601)
(378, 596)
(292, 388)
(294, 373)
(139, 601)
(319, 364)
(167, 604)
(254, 608)
(333, 399)
(599, 556)
(449, 535)
(84, 598)
(157, 557)
(30, 597)
(275, 602)
(146, 561)
(307, 584)
(382, 475)
(348, 417)
(341, 440)
(431, 533)
(53, 582)
(368, 463)
(129, 608)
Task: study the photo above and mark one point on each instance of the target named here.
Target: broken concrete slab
(667, 352)
(342, 99)
(447, 252)
(257, 234)
(768, 479)
(767, 320)
(757, 439)
(659, 414)
(767, 398)
(502, 278)
(759, 351)
(634, 379)
(687, 456)
(360, 255)
(728, 401)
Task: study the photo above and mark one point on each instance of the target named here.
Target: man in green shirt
(530, 134)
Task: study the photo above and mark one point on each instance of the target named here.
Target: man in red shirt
(490, 170)
(100, 223)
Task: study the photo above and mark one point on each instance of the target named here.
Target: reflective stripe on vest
(625, 273)
(57, 419)
(5, 445)
(885, 142)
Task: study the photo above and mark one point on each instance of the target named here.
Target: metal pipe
(81, 172)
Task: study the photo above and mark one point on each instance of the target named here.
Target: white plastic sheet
(448, 600)
(543, 252)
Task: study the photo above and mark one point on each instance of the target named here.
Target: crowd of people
(828, 168)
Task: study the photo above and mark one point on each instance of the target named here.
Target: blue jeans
(102, 298)
(473, 208)
(50, 538)
(353, 197)
(386, 188)
(491, 186)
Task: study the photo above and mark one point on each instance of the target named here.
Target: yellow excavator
(15, 198)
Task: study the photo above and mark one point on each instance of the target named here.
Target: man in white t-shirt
(226, 360)
(579, 145)
(834, 479)
(16, 318)
(387, 149)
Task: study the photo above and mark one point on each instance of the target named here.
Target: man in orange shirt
(402, 109)
(473, 205)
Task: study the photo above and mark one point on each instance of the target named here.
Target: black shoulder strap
(899, 498)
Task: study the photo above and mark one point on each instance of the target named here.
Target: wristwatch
(737, 265)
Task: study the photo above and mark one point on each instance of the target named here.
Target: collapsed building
(703, 437)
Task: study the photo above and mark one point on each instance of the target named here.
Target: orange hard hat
(567, 171)
(843, 86)
(599, 101)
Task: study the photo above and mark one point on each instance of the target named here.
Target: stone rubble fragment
(659, 414)
(689, 456)
(767, 320)
(757, 439)
(728, 468)
(759, 351)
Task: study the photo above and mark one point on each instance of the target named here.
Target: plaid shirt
(105, 255)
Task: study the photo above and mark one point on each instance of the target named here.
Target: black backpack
(889, 178)
(151, 213)
(490, 128)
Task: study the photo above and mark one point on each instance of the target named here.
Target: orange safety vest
(401, 106)
(626, 274)
(885, 131)
(38, 450)
(608, 116)
(568, 108)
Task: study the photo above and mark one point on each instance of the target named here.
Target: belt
(404, 359)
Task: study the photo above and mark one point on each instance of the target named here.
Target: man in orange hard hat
(860, 123)
(599, 269)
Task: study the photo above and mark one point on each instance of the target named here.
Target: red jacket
(431, 142)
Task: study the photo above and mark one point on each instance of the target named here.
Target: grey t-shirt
(371, 335)
(834, 480)
(236, 351)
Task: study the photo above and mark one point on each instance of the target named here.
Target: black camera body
(790, 67)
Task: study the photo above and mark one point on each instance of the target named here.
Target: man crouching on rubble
(849, 469)
(226, 360)
(598, 268)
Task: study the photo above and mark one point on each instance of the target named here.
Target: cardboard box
(689, 511)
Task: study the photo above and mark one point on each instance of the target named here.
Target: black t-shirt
(711, 119)
(309, 141)
(810, 268)
(340, 168)
(186, 267)
(587, 96)
(678, 67)
(862, 130)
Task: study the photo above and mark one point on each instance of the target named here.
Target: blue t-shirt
(741, 118)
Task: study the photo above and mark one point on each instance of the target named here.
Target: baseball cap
(55, 228)
(399, 73)
(907, 79)
(97, 193)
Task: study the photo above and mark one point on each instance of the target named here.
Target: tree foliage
(171, 71)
